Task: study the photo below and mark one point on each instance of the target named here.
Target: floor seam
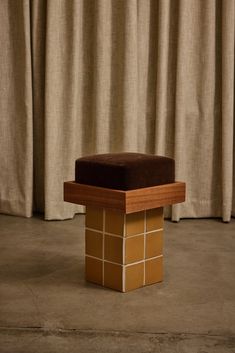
(111, 332)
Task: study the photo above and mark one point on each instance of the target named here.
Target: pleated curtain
(79, 77)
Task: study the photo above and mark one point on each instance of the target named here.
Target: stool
(124, 195)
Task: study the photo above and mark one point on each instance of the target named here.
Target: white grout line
(120, 236)
(153, 258)
(135, 263)
(139, 262)
(95, 230)
(127, 265)
(97, 258)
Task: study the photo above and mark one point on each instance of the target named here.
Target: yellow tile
(134, 223)
(134, 276)
(93, 270)
(94, 243)
(113, 276)
(134, 249)
(113, 249)
(114, 222)
(154, 270)
(154, 244)
(94, 218)
(154, 219)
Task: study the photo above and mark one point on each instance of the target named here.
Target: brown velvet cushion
(124, 171)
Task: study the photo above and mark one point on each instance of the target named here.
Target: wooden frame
(125, 201)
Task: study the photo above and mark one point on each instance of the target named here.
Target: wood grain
(126, 201)
(153, 197)
(89, 195)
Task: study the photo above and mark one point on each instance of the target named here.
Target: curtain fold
(94, 76)
(227, 167)
(16, 124)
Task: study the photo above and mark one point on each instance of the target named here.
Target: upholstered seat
(124, 171)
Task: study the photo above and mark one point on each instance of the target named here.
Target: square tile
(134, 249)
(154, 270)
(113, 276)
(135, 223)
(94, 218)
(134, 276)
(154, 219)
(113, 249)
(114, 222)
(93, 270)
(154, 244)
(94, 243)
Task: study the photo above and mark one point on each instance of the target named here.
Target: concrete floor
(46, 305)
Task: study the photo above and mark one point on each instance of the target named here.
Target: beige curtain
(90, 76)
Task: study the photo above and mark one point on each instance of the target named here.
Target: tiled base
(124, 251)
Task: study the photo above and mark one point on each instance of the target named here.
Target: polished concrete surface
(47, 306)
